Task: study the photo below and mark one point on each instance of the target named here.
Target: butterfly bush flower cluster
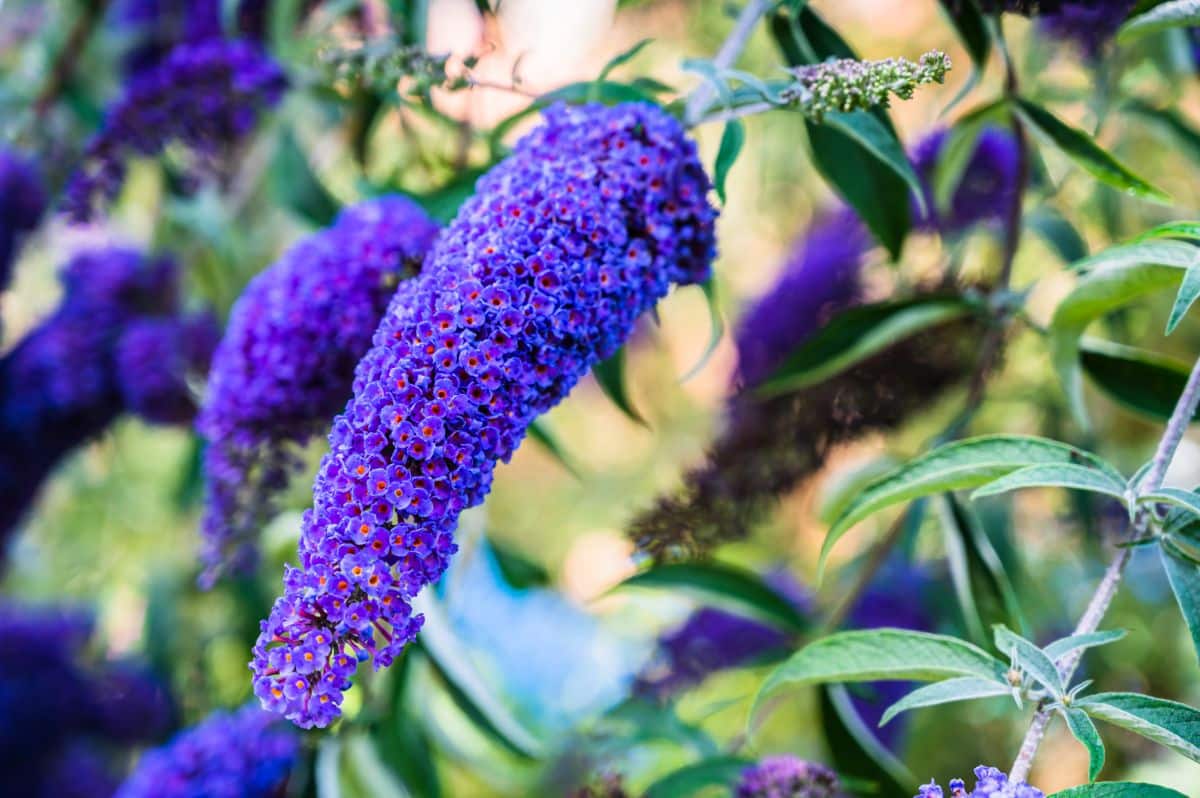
(847, 84)
(22, 202)
(1089, 24)
(63, 383)
(543, 273)
(63, 713)
(285, 365)
(989, 783)
(769, 445)
(787, 776)
(986, 190)
(206, 97)
(154, 358)
(157, 26)
(248, 753)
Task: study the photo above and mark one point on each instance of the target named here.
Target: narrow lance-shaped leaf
(1086, 153)
(1168, 723)
(716, 327)
(1189, 290)
(1184, 577)
(1057, 475)
(622, 58)
(1085, 732)
(732, 140)
(1145, 382)
(1184, 499)
(1029, 658)
(957, 466)
(1118, 789)
(880, 141)
(1063, 646)
(610, 376)
(960, 571)
(1058, 233)
(856, 751)
(963, 688)
(734, 588)
(1173, 14)
(973, 32)
(881, 655)
(991, 586)
(540, 431)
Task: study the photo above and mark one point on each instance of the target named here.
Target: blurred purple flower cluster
(86, 363)
(542, 273)
(248, 753)
(787, 776)
(157, 26)
(206, 97)
(64, 719)
(285, 365)
(22, 202)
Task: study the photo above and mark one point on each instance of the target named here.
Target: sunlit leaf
(1058, 475)
(1085, 732)
(1168, 723)
(1063, 646)
(1172, 14)
(1027, 656)
(963, 688)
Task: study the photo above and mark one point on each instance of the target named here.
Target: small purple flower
(285, 365)
(615, 190)
(787, 776)
(155, 357)
(59, 386)
(989, 783)
(242, 754)
(206, 97)
(986, 188)
(818, 280)
(22, 202)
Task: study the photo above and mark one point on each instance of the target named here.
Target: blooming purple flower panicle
(22, 202)
(986, 189)
(64, 383)
(157, 26)
(1089, 24)
(61, 712)
(543, 273)
(819, 279)
(154, 358)
(787, 776)
(989, 783)
(248, 753)
(205, 96)
(285, 365)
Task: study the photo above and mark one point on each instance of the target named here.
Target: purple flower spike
(989, 783)
(205, 96)
(986, 189)
(154, 359)
(22, 202)
(786, 776)
(286, 363)
(244, 754)
(1089, 24)
(542, 274)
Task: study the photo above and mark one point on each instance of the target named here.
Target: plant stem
(64, 64)
(726, 56)
(1185, 409)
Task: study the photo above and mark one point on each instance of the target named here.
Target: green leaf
(880, 142)
(622, 58)
(855, 335)
(478, 700)
(716, 327)
(1084, 730)
(720, 771)
(1029, 658)
(963, 688)
(1146, 382)
(1057, 475)
(1168, 723)
(732, 140)
(1189, 290)
(1185, 230)
(1183, 499)
(540, 431)
(1058, 233)
(295, 186)
(1065, 645)
(881, 655)
(610, 375)
(374, 778)
(1169, 120)
(960, 568)
(733, 588)
(1080, 148)
(1118, 789)
(1174, 14)
(443, 203)
(518, 571)
(987, 593)
(956, 466)
(328, 767)
(856, 751)
(1184, 577)
(1112, 278)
